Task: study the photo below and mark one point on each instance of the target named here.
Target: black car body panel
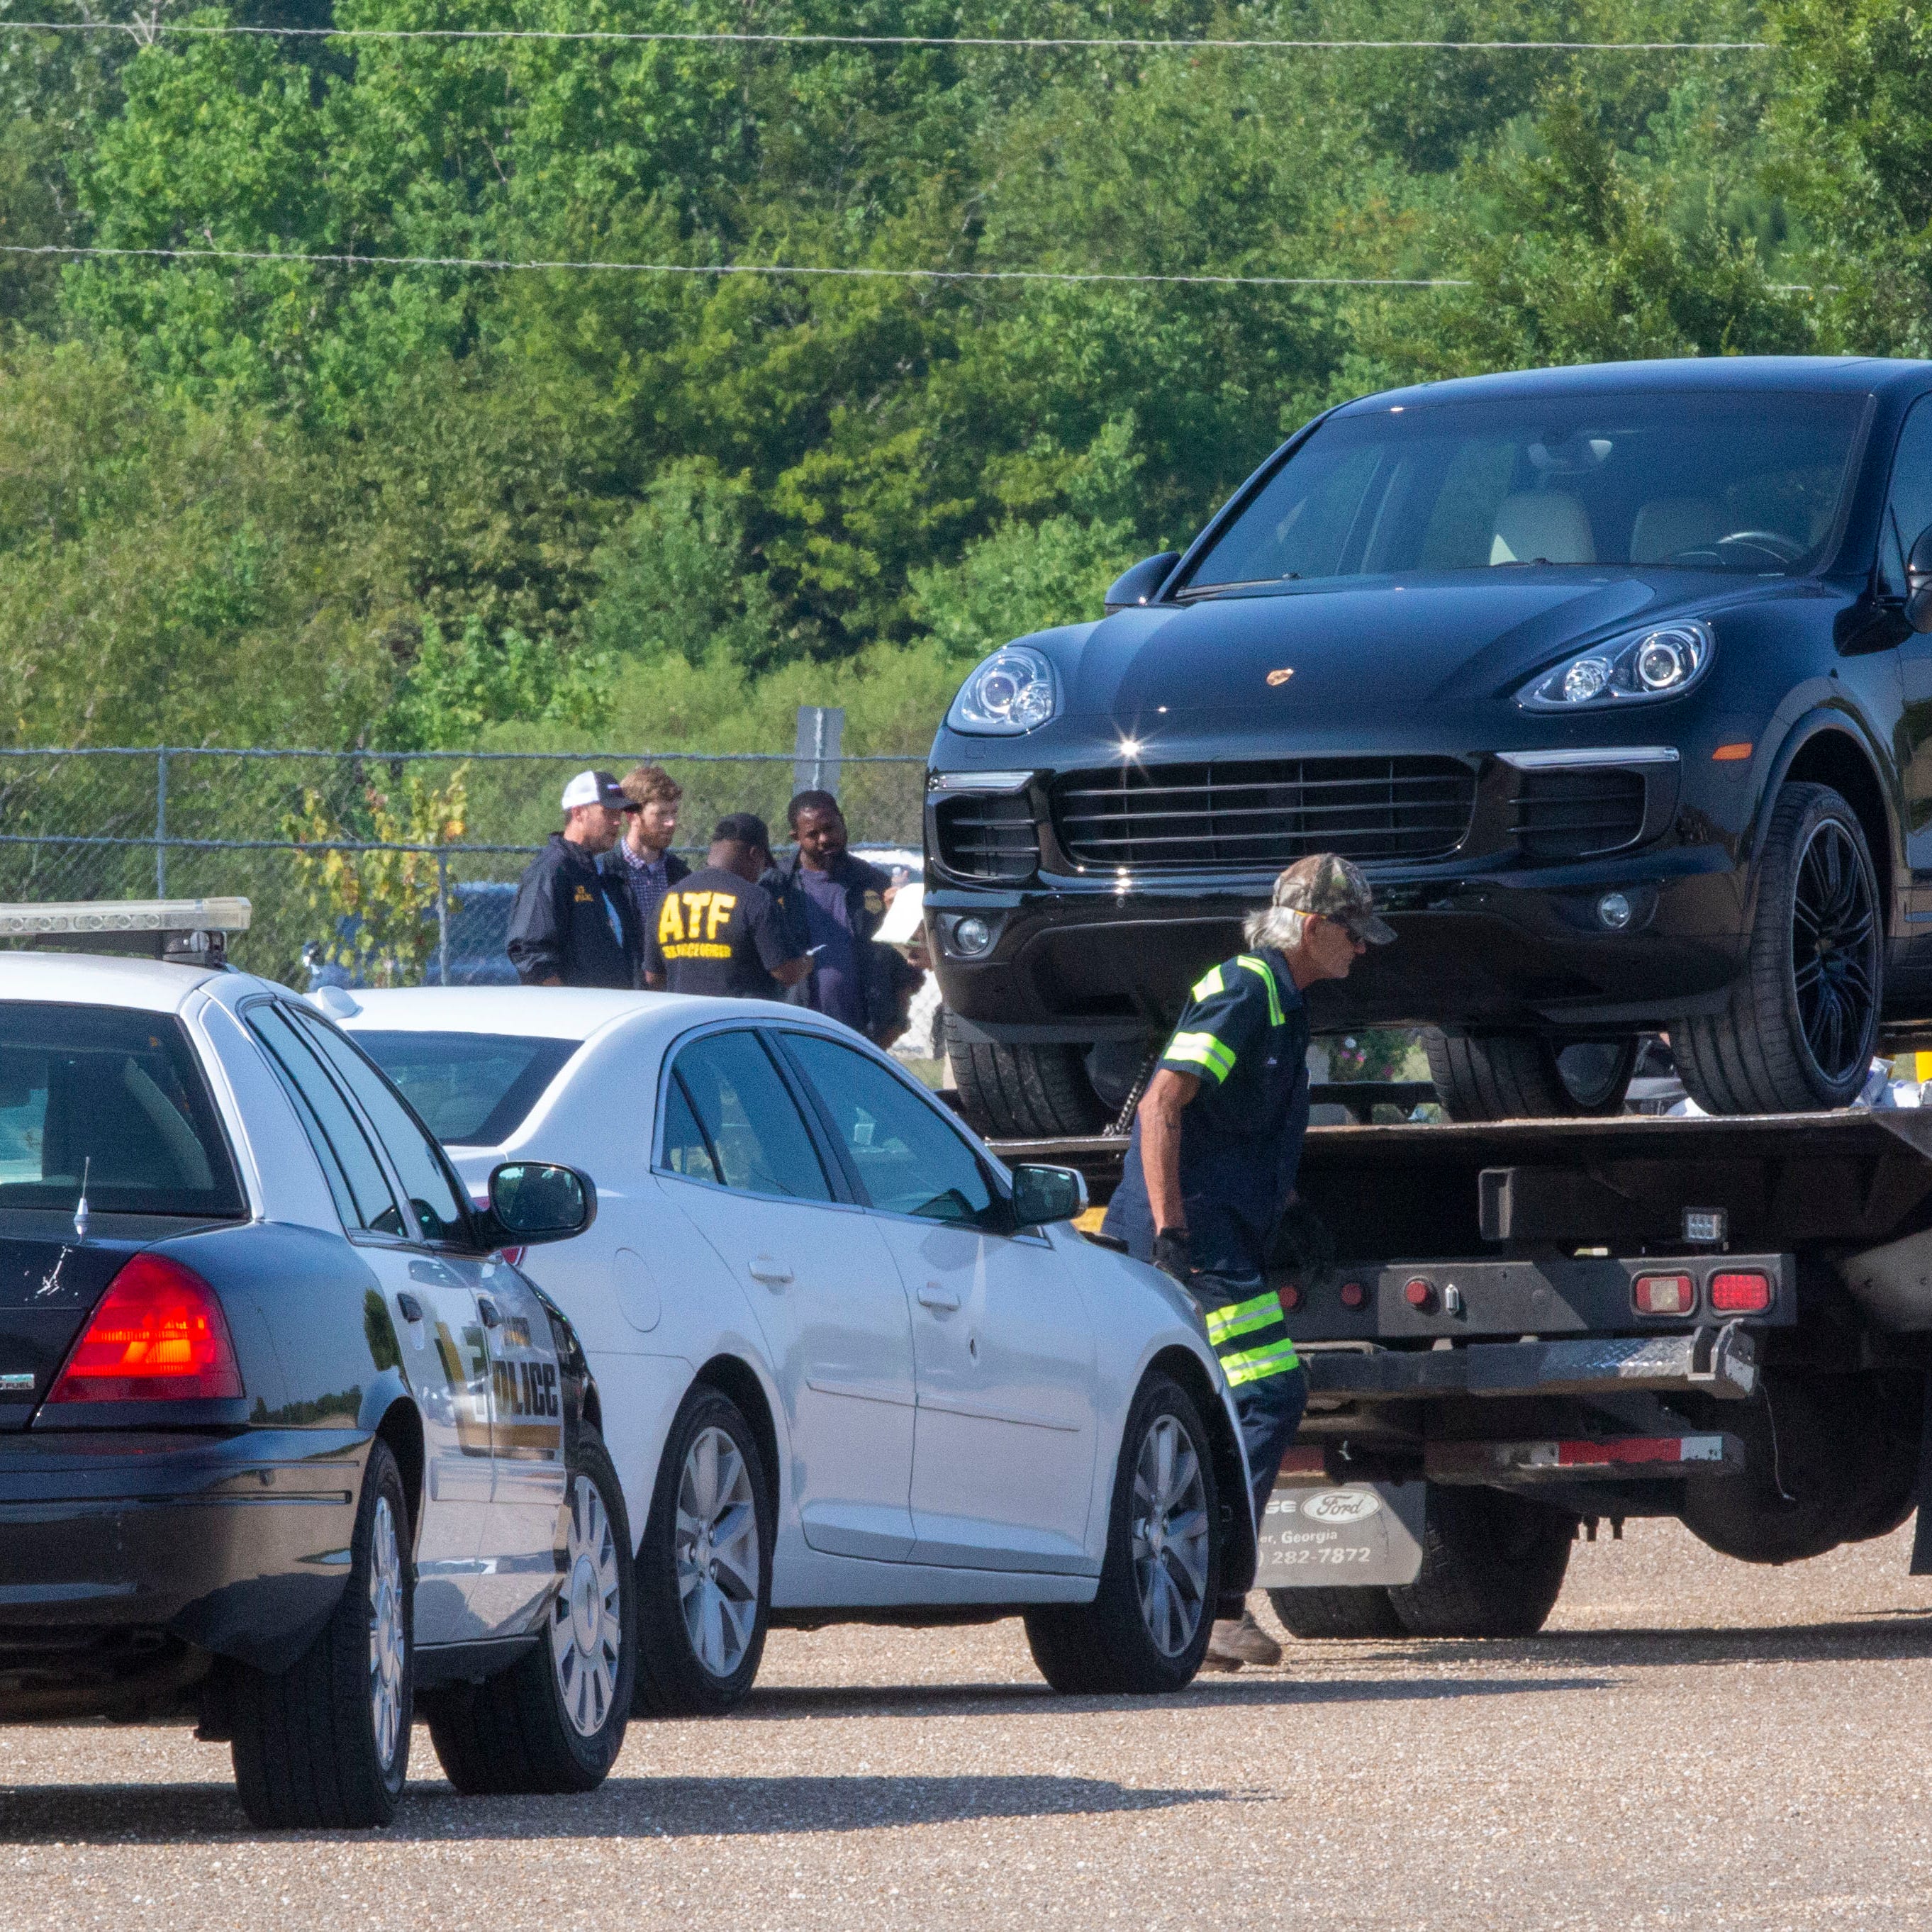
(147, 1547)
(1492, 852)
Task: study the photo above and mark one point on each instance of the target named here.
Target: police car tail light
(158, 1335)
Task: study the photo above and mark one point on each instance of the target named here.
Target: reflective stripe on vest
(1204, 1051)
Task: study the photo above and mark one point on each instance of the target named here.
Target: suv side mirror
(1137, 585)
(1044, 1194)
(531, 1201)
(1919, 584)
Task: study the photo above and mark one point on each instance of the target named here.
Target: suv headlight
(1013, 691)
(1660, 663)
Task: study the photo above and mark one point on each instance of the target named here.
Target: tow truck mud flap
(1341, 1535)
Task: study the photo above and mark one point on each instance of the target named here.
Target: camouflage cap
(1333, 887)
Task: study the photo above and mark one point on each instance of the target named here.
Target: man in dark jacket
(832, 903)
(574, 925)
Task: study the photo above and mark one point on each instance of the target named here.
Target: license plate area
(1322, 1535)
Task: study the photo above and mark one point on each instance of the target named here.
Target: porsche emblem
(1281, 676)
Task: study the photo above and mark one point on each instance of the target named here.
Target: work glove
(1172, 1256)
(1304, 1249)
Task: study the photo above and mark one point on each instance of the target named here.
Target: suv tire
(704, 1565)
(1147, 1629)
(325, 1743)
(1314, 1614)
(1024, 1092)
(1798, 1028)
(1521, 1076)
(554, 1721)
(1492, 1565)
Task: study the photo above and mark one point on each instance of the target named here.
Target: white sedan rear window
(472, 1089)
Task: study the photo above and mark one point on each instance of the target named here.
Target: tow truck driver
(1211, 1167)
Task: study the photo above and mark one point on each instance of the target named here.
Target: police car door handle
(487, 1309)
(772, 1273)
(933, 1296)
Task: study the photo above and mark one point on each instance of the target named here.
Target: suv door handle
(774, 1273)
(933, 1296)
(487, 1309)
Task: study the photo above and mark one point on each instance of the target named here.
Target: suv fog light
(972, 936)
(1615, 909)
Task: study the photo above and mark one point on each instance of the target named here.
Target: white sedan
(852, 1367)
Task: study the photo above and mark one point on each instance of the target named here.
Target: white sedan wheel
(718, 1560)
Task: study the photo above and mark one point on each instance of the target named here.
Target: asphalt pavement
(1692, 1743)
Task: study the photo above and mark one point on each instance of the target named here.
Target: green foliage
(458, 687)
(299, 500)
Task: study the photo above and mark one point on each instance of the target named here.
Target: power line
(773, 268)
(144, 30)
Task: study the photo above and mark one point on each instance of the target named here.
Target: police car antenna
(80, 1206)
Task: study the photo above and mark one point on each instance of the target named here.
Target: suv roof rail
(188, 932)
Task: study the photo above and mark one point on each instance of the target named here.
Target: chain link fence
(448, 832)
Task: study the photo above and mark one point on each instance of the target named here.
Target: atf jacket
(866, 887)
(561, 924)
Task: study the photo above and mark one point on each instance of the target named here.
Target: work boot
(1240, 1640)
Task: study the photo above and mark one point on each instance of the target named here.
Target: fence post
(161, 823)
(442, 919)
(815, 760)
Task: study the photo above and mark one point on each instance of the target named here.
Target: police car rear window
(472, 1089)
(114, 1095)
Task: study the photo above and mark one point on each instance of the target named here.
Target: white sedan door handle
(774, 1273)
(933, 1296)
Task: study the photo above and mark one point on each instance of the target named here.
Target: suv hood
(1367, 644)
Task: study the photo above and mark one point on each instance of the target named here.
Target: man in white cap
(574, 925)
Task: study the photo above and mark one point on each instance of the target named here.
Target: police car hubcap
(386, 1633)
(717, 1555)
(586, 1632)
(1170, 1536)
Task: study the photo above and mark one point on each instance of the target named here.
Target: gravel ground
(1692, 1743)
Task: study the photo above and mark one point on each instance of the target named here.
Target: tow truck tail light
(1740, 1294)
(1354, 1294)
(158, 1335)
(1665, 1294)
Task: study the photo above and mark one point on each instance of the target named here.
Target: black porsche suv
(1616, 680)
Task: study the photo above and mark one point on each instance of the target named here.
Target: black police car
(286, 1441)
(1616, 682)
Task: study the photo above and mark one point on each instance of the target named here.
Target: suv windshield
(116, 1095)
(1748, 482)
(472, 1089)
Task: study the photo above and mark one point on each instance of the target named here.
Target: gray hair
(1281, 927)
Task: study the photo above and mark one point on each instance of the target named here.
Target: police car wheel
(704, 1565)
(1147, 1629)
(1314, 1614)
(326, 1742)
(554, 1721)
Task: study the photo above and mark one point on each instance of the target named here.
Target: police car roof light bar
(190, 931)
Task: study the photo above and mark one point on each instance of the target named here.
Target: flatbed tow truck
(1535, 1326)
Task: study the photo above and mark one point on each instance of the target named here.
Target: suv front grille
(1575, 811)
(987, 838)
(1263, 813)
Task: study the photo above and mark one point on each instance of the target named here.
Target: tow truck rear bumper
(1716, 1361)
